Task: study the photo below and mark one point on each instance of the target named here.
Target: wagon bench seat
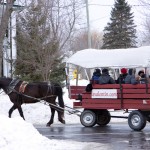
(128, 97)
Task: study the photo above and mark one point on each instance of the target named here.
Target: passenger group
(124, 77)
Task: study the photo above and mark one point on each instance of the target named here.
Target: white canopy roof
(117, 58)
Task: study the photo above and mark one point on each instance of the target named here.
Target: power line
(99, 18)
(136, 5)
(91, 21)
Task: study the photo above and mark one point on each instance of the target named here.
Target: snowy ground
(17, 134)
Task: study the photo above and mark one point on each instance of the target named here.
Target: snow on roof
(117, 58)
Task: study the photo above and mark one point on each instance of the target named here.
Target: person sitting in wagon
(141, 77)
(122, 76)
(95, 79)
(130, 78)
(105, 78)
(96, 75)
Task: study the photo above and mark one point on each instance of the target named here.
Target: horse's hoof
(48, 125)
(62, 121)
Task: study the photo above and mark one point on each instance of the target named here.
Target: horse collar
(12, 85)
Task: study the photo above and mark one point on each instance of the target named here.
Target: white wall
(10, 51)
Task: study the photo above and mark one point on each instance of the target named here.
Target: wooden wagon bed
(128, 97)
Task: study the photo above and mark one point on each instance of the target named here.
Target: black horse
(20, 93)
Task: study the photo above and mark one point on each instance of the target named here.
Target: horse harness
(50, 89)
(12, 85)
(14, 82)
(23, 86)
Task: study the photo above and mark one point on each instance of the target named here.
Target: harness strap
(23, 86)
(12, 85)
(49, 89)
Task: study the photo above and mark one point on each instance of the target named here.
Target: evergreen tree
(120, 32)
(38, 56)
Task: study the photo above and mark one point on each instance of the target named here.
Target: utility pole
(88, 24)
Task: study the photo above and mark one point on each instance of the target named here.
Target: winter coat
(89, 87)
(130, 78)
(95, 79)
(121, 78)
(96, 76)
(106, 79)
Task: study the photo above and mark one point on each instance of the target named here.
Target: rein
(41, 101)
(13, 83)
(11, 88)
(20, 93)
(56, 107)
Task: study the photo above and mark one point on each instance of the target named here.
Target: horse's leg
(61, 104)
(61, 117)
(11, 110)
(52, 117)
(20, 112)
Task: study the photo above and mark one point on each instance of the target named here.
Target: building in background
(9, 48)
(9, 54)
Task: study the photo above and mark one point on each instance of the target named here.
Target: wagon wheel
(88, 118)
(136, 120)
(103, 117)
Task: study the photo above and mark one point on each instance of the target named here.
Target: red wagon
(133, 99)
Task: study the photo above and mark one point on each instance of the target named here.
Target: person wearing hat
(105, 78)
(141, 77)
(96, 75)
(95, 79)
(130, 78)
(122, 76)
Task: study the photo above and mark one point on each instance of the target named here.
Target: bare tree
(146, 33)
(45, 27)
(146, 24)
(80, 41)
